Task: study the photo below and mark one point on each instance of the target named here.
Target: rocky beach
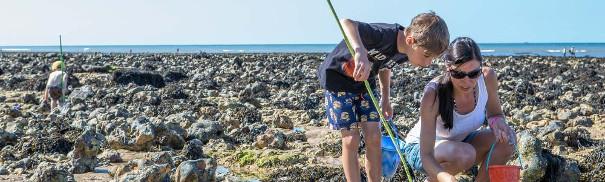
(260, 117)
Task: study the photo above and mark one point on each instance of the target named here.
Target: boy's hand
(362, 66)
(387, 109)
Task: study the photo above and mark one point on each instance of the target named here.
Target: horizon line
(248, 44)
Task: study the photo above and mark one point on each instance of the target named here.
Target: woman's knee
(466, 154)
(457, 153)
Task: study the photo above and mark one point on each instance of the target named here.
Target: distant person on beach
(378, 48)
(56, 86)
(449, 137)
(564, 52)
(572, 52)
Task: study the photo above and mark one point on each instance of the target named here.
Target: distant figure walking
(572, 52)
(56, 86)
(564, 52)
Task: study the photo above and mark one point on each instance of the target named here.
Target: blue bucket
(390, 158)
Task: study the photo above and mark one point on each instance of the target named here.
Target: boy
(56, 85)
(378, 47)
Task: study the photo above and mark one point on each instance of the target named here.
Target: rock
(237, 115)
(156, 167)
(281, 121)
(141, 136)
(592, 166)
(29, 98)
(551, 127)
(173, 76)
(577, 137)
(4, 171)
(13, 111)
(194, 149)
(524, 87)
(209, 113)
(8, 154)
(184, 119)
(248, 133)
(204, 130)
(530, 149)
(196, 170)
(173, 92)
(86, 149)
(312, 173)
(139, 77)
(564, 115)
(254, 90)
(586, 109)
(22, 165)
(7, 138)
(171, 135)
(560, 169)
(156, 172)
(580, 121)
(271, 139)
(97, 69)
(50, 172)
(81, 95)
(111, 156)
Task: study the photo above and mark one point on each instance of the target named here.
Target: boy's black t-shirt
(380, 40)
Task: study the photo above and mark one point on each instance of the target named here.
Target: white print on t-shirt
(390, 64)
(377, 54)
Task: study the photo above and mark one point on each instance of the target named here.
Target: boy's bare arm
(362, 64)
(384, 76)
(350, 28)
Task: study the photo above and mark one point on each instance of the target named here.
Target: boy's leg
(370, 123)
(341, 116)
(53, 104)
(350, 158)
(372, 137)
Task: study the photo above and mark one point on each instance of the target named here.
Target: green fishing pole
(62, 60)
(371, 93)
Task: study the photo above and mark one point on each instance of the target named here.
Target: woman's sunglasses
(460, 74)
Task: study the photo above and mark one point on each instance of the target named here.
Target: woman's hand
(445, 177)
(501, 130)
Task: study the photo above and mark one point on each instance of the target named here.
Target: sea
(489, 49)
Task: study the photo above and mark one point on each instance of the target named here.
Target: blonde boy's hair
(56, 66)
(430, 32)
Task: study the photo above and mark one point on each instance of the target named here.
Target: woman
(449, 138)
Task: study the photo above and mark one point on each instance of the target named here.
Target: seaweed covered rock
(139, 78)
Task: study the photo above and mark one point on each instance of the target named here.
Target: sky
(200, 22)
